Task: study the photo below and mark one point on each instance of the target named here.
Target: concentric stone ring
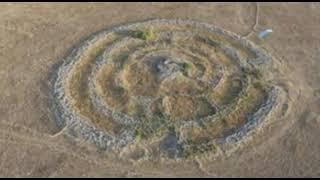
(186, 86)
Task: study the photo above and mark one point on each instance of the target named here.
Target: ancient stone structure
(181, 87)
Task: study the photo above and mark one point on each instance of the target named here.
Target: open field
(159, 90)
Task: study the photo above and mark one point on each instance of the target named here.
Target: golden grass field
(170, 73)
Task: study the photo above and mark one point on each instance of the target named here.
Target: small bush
(186, 68)
(146, 34)
(139, 135)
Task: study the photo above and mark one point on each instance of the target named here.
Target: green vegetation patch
(146, 34)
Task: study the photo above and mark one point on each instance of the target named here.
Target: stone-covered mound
(176, 88)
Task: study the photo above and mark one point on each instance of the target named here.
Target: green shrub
(186, 68)
(146, 34)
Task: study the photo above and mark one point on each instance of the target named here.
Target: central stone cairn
(180, 87)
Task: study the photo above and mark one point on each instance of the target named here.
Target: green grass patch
(139, 135)
(146, 34)
(186, 68)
